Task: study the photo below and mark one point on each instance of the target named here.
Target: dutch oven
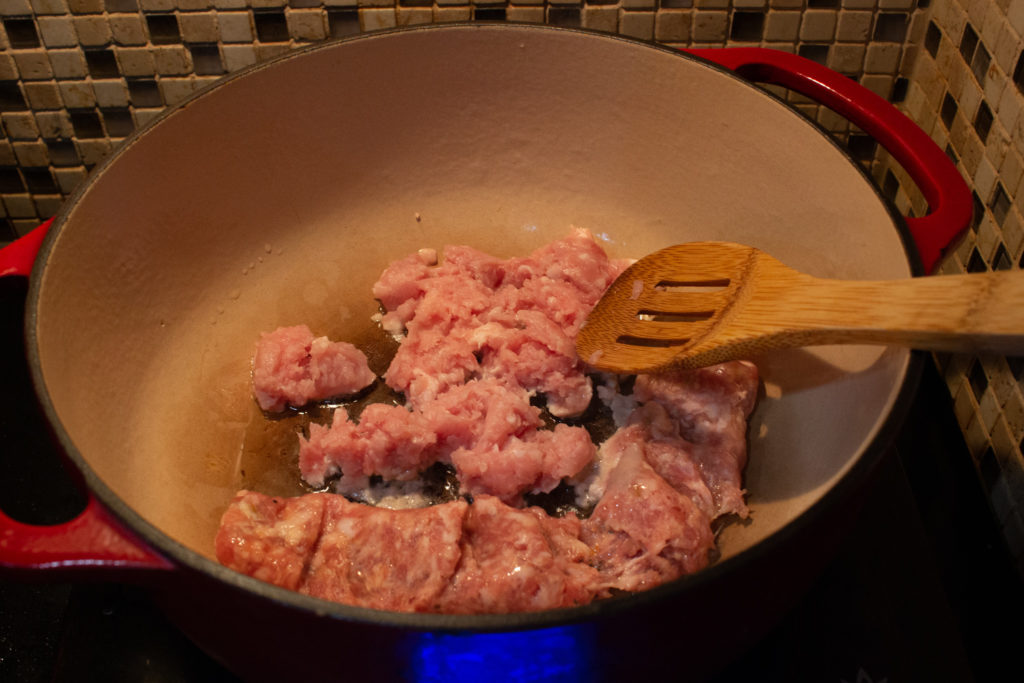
(276, 197)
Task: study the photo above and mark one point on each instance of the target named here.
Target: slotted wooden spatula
(702, 303)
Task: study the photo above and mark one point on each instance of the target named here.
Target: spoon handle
(965, 313)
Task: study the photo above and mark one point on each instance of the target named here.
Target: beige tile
(533, 15)
(34, 65)
(54, 124)
(710, 27)
(193, 5)
(57, 31)
(445, 14)
(235, 27)
(846, 58)
(238, 56)
(311, 24)
(135, 61)
(882, 58)
(606, 18)
(20, 126)
(818, 25)
(672, 25)
(93, 152)
(143, 117)
(68, 178)
(710, 4)
(7, 157)
(93, 30)
(373, 19)
(15, 7)
(8, 69)
(172, 60)
(156, 5)
(42, 95)
(21, 205)
(68, 63)
(637, 24)
(176, 90)
(410, 16)
(638, 4)
(31, 153)
(77, 94)
(781, 25)
(854, 25)
(127, 29)
(270, 51)
(111, 93)
(49, 6)
(85, 6)
(198, 27)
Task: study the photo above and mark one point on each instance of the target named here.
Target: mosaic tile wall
(966, 89)
(77, 76)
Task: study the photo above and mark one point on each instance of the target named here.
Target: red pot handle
(947, 194)
(92, 541)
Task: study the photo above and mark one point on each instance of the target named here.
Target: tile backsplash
(78, 76)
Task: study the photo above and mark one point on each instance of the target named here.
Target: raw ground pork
(481, 337)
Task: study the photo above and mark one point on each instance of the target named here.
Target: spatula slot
(692, 286)
(674, 316)
(631, 340)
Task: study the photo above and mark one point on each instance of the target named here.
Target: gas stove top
(920, 590)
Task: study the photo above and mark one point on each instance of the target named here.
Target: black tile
(62, 153)
(415, 3)
(1018, 73)
(977, 379)
(11, 98)
(564, 16)
(1000, 204)
(342, 22)
(86, 123)
(144, 92)
(948, 110)
(862, 147)
(980, 63)
(676, 4)
(118, 122)
(21, 32)
(890, 185)
(271, 26)
(899, 90)
(101, 63)
(206, 60)
(989, 468)
(968, 43)
(816, 53)
(163, 29)
(814, 4)
(923, 4)
(39, 180)
(976, 264)
(951, 153)
(122, 5)
(932, 38)
(1002, 260)
(983, 122)
(891, 27)
(10, 181)
(7, 231)
(489, 13)
(747, 26)
(977, 211)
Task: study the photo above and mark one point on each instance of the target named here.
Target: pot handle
(948, 196)
(92, 541)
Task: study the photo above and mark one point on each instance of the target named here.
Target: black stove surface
(922, 588)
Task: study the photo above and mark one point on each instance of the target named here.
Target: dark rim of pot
(184, 557)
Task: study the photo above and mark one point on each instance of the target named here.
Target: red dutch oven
(277, 196)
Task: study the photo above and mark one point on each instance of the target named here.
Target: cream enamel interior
(279, 196)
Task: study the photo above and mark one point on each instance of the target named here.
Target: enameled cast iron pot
(278, 195)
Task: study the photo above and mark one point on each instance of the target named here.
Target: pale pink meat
(292, 367)
(399, 560)
(711, 406)
(643, 531)
(269, 538)
(519, 561)
(535, 463)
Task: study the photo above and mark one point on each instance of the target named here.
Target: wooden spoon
(702, 303)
